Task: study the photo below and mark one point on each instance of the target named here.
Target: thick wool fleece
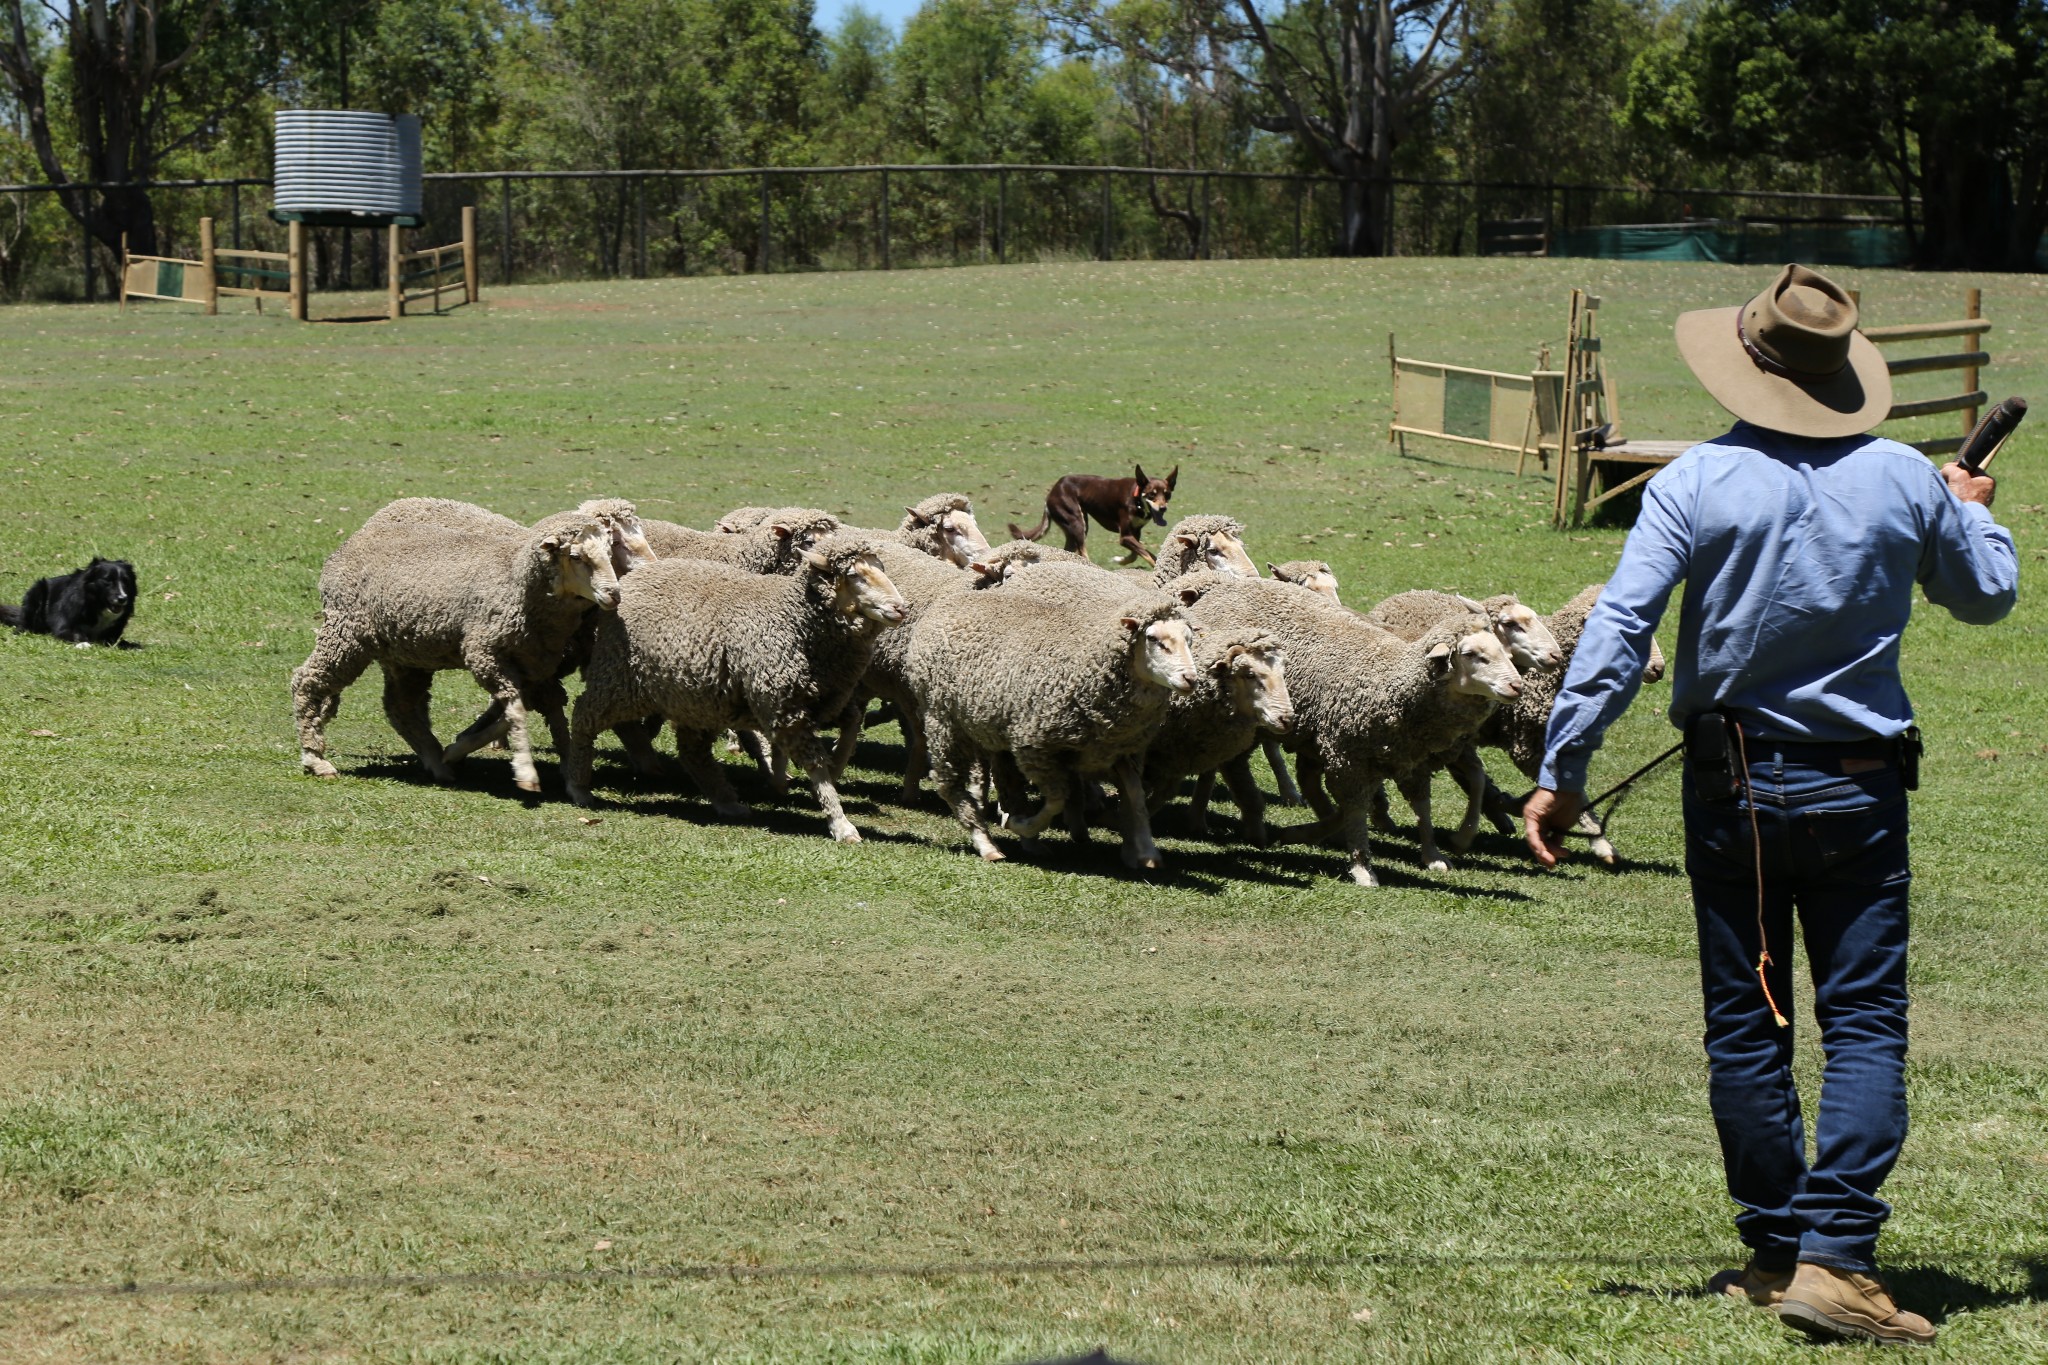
(1411, 614)
(418, 596)
(921, 535)
(1517, 728)
(923, 579)
(1367, 704)
(1177, 554)
(1028, 552)
(760, 549)
(1040, 663)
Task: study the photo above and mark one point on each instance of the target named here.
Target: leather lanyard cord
(1756, 844)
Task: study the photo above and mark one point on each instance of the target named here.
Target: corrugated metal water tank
(347, 161)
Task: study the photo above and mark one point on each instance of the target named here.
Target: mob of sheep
(1022, 676)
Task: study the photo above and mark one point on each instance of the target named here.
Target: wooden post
(1973, 307)
(205, 263)
(394, 266)
(470, 292)
(885, 220)
(295, 263)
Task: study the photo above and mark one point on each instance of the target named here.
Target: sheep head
(1526, 635)
(741, 520)
(1159, 652)
(1472, 662)
(796, 530)
(861, 588)
(580, 563)
(1254, 669)
(1313, 574)
(949, 519)
(621, 521)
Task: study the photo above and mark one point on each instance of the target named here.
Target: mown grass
(265, 1027)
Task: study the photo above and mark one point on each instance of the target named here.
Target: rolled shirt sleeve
(1607, 668)
(1969, 566)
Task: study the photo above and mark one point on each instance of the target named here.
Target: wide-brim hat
(1790, 359)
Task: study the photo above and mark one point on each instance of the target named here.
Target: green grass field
(261, 1027)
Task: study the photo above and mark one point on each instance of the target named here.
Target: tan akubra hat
(1790, 359)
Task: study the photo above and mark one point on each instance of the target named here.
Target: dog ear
(1142, 480)
(1171, 478)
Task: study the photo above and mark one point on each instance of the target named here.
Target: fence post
(470, 292)
(1002, 214)
(85, 255)
(1104, 252)
(505, 230)
(235, 211)
(885, 220)
(640, 231)
(1208, 202)
(1973, 307)
(1300, 192)
(394, 266)
(205, 263)
(295, 266)
(761, 257)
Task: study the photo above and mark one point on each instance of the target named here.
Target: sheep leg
(1013, 791)
(638, 738)
(947, 754)
(916, 755)
(1049, 775)
(1468, 770)
(1382, 810)
(816, 758)
(1355, 817)
(773, 765)
(486, 729)
(524, 775)
(1251, 802)
(1309, 767)
(1591, 826)
(1415, 788)
(408, 693)
(693, 751)
(317, 684)
(1139, 852)
(1198, 804)
(1276, 758)
(1495, 804)
(852, 721)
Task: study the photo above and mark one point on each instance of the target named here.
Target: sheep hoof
(1502, 825)
(1139, 862)
(525, 784)
(1362, 875)
(1436, 865)
(317, 766)
(1604, 851)
(992, 854)
(1462, 840)
(846, 835)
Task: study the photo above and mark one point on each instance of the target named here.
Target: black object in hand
(1983, 442)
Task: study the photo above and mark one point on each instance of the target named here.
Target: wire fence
(581, 224)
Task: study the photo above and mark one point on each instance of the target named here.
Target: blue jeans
(1833, 847)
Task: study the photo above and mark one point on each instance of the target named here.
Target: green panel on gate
(170, 279)
(1468, 405)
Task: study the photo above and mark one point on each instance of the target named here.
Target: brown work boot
(1827, 1303)
(1764, 1288)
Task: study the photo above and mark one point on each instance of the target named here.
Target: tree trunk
(1360, 231)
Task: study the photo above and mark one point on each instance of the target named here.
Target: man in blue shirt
(1800, 540)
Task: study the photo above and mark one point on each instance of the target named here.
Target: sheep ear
(918, 518)
(783, 532)
(1190, 596)
(1439, 657)
(1131, 623)
(1471, 605)
(1272, 569)
(814, 560)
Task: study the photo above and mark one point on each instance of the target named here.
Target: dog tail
(10, 616)
(1019, 533)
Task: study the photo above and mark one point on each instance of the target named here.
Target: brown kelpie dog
(1121, 505)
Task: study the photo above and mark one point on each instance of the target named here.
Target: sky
(892, 12)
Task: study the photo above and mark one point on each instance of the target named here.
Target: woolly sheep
(709, 646)
(1202, 542)
(922, 580)
(1518, 727)
(1411, 614)
(416, 597)
(1005, 561)
(943, 526)
(1368, 706)
(1313, 574)
(1240, 693)
(1063, 671)
(771, 546)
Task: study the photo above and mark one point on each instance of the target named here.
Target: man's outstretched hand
(1545, 818)
(1980, 488)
